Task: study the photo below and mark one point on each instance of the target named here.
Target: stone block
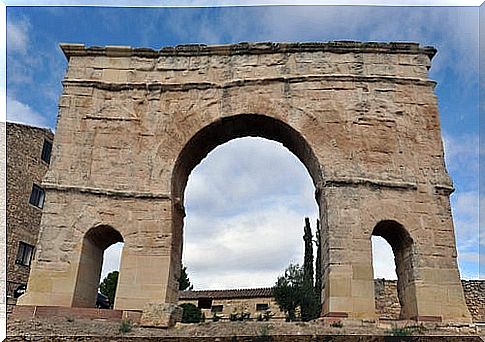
(161, 315)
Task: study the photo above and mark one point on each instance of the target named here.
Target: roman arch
(134, 122)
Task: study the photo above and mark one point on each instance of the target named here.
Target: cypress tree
(308, 261)
(308, 295)
(318, 266)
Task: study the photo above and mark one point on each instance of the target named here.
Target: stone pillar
(54, 269)
(143, 278)
(348, 285)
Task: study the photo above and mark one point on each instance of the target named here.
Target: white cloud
(248, 173)
(246, 204)
(22, 113)
(111, 259)
(383, 259)
(461, 150)
(466, 217)
(17, 36)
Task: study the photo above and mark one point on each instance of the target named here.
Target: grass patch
(126, 326)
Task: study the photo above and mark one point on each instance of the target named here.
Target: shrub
(240, 316)
(407, 330)
(125, 326)
(264, 330)
(337, 324)
(191, 313)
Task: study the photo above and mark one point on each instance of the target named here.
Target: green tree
(108, 286)
(318, 267)
(287, 290)
(308, 258)
(184, 281)
(191, 313)
(308, 297)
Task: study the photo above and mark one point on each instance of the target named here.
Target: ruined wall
(388, 307)
(24, 168)
(387, 302)
(475, 298)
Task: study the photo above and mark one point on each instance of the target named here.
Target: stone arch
(220, 132)
(93, 245)
(238, 126)
(403, 247)
(355, 105)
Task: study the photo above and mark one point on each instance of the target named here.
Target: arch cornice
(248, 48)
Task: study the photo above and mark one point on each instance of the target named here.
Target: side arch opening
(95, 242)
(403, 249)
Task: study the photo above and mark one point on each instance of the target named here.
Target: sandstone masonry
(362, 117)
(25, 168)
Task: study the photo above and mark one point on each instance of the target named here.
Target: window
(217, 308)
(262, 307)
(24, 254)
(204, 303)
(46, 151)
(37, 196)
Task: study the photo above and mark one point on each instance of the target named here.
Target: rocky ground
(87, 327)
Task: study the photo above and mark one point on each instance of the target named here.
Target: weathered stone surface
(362, 117)
(161, 315)
(25, 167)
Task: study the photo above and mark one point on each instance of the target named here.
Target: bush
(191, 313)
(337, 324)
(407, 330)
(266, 316)
(240, 316)
(125, 326)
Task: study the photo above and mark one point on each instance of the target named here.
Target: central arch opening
(245, 206)
(262, 131)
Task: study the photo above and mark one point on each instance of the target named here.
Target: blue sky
(256, 205)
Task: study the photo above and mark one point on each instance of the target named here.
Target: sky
(246, 201)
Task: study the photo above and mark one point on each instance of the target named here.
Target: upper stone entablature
(220, 64)
(249, 48)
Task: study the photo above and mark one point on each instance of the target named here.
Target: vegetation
(184, 281)
(309, 305)
(266, 316)
(108, 286)
(240, 316)
(191, 313)
(288, 289)
(318, 265)
(125, 326)
(407, 330)
(264, 330)
(337, 324)
(297, 288)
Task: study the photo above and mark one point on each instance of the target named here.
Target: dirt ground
(88, 327)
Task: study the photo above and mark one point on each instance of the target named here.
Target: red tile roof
(227, 294)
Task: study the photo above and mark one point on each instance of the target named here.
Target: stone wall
(386, 300)
(475, 298)
(388, 307)
(231, 305)
(24, 168)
